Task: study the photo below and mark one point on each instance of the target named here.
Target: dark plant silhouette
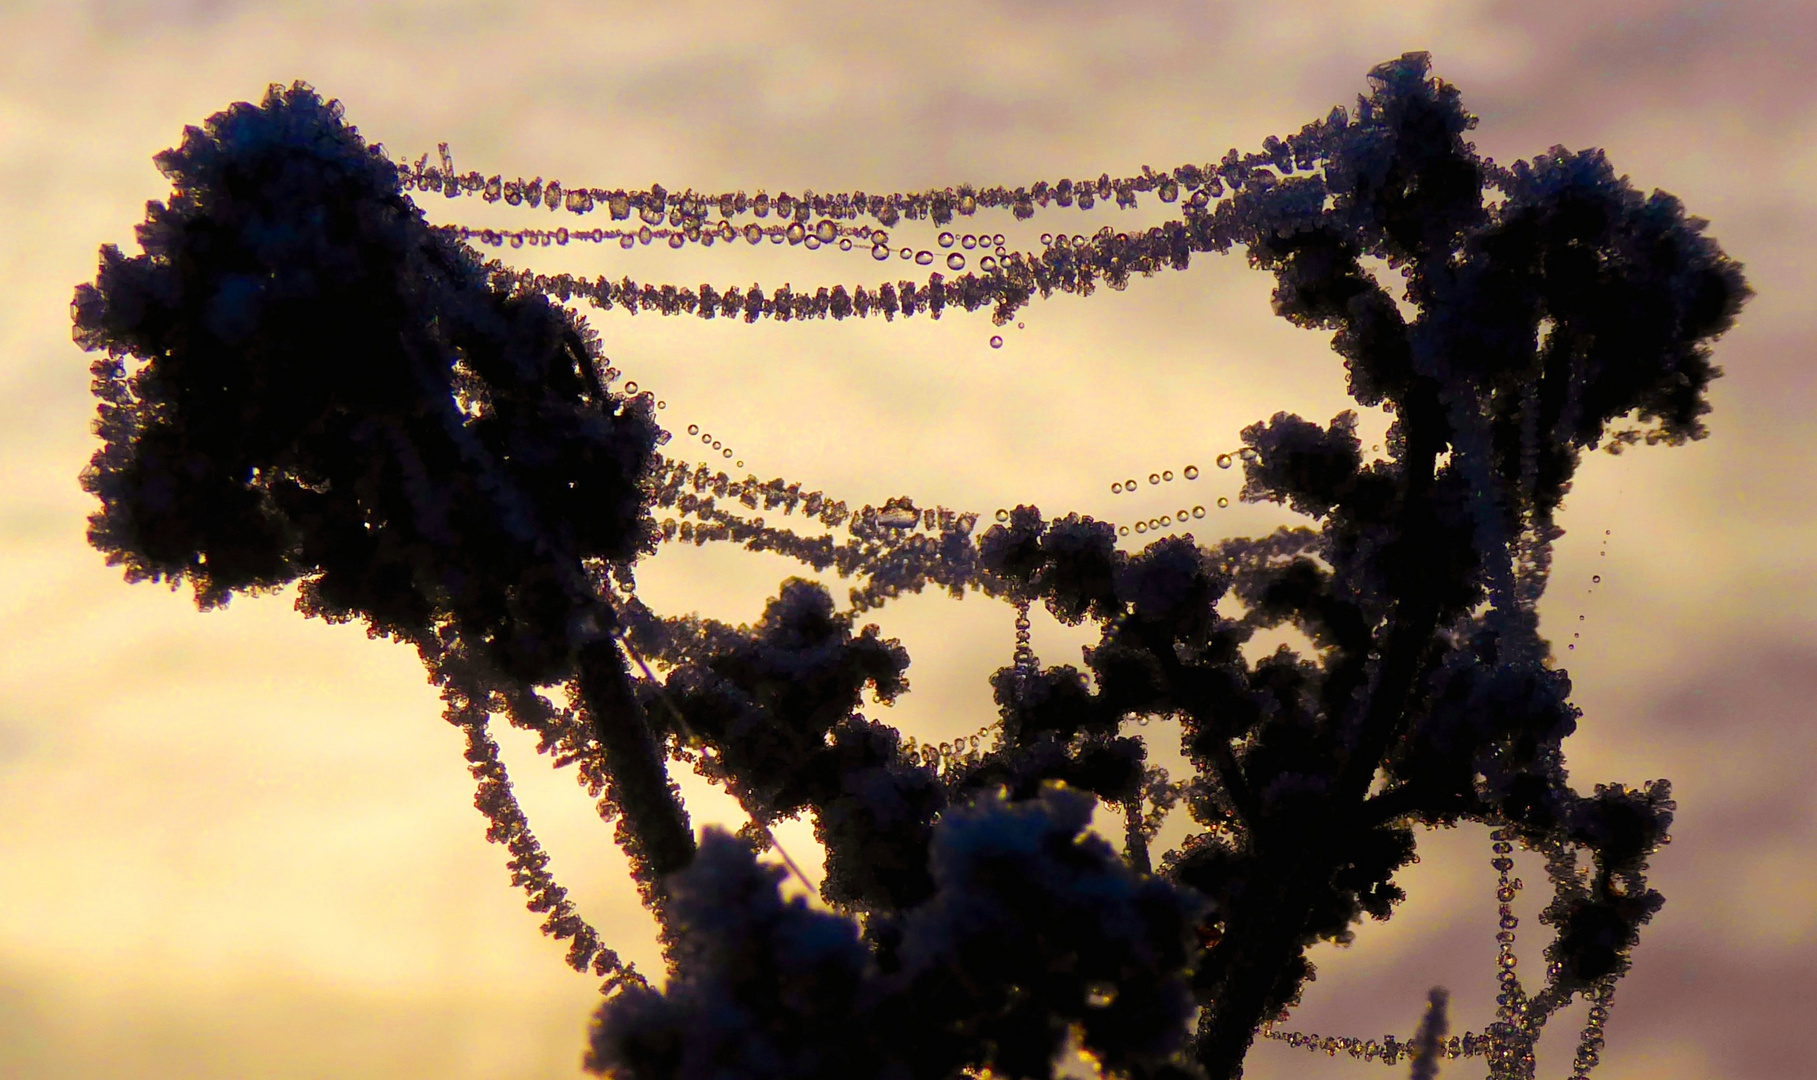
(304, 381)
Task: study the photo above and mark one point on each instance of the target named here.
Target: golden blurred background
(242, 844)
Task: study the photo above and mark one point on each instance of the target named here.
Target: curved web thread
(889, 551)
(1256, 183)
(898, 548)
(688, 209)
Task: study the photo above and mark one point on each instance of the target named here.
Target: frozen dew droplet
(1596, 579)
(955, 261)
(1191, 472)
(1179, 515)
(1169, 191)
(1198, 511)
(987, 264)
(706, 438)
(825, 231)
(907, 253)
(627, 241)
(1122, 530)
(740, 464)
(1129, 485)
(1223, 502)
(795, 232)
(946, 240)
(996, 341)
(662, 404)
(1223, 461)
(1569, 647)
(1002, 514)
(676, 240)
(1047, 239)
(693, 429)
(845, 243)
(630, 388)
(1141, 526)
(644, 235)
(1154, 478)
(968, 241)
(812, 243)
(880, 252)
(997, 240)
(1580, 618)
(1166, 519)
(1167, 475)
(1116, 489)
(716, 444)
(924, 257)
(1019, 326)
(754, 233)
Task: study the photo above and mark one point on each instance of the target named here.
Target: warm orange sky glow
(243, 843)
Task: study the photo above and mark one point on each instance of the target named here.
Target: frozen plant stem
(1428, 1042)
(658, 838)
(690, 738)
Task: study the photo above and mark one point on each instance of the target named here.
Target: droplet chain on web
(1508, 1043)
(1068, 264)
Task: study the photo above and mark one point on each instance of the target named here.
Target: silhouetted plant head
(768, 699)
(1568, 304)
(1033, 926)
(874, 815)
(1599, 916)
(762, 987)
(325, 388)
(1036, 923)
(1296, 463)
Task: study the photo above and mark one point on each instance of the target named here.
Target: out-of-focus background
(242, 844)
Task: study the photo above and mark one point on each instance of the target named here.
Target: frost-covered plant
(303, 381)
